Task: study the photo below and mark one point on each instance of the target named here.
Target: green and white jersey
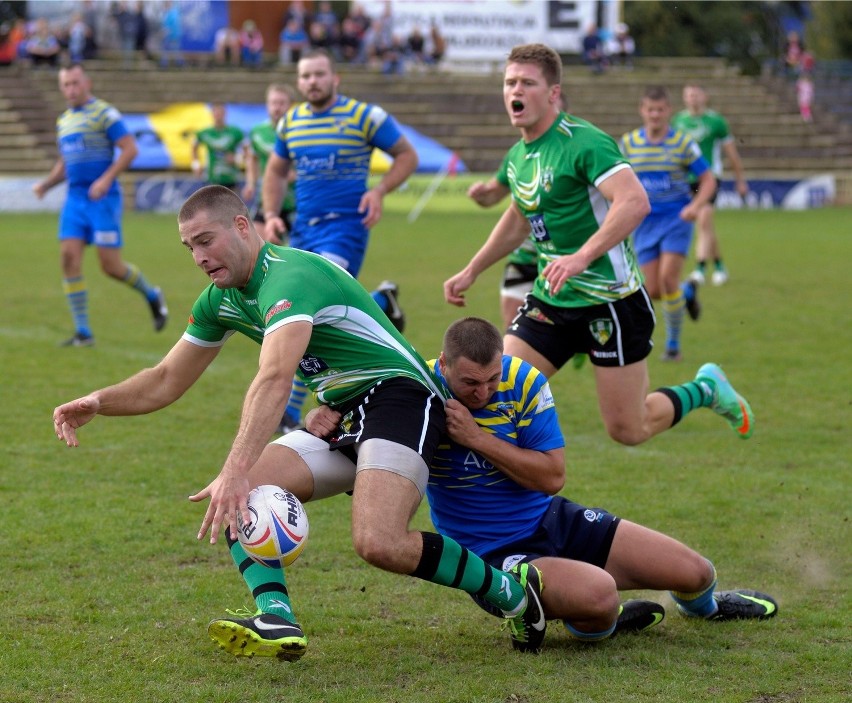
(554, 182)
(353, 344)
(524, 255)
(262, 140)
(710, 130)
(222, 145)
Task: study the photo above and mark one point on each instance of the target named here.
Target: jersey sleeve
(381, 129)
(114, 124)
(695, 163)
(204, 327)
(280, 147)
(538, 426)
(598, 157)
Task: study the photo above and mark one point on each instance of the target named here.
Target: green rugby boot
(726, 401)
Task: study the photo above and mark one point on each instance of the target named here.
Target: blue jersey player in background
(88, 133)
(493, 486)
(666, 160)
(328, 140)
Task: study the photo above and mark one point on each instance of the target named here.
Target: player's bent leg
(642, 558)
(383, 503)
(581, 594)
(622, 397)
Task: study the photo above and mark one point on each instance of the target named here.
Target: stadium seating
(462, 110)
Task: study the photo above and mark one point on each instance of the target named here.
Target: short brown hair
(656, 92)
(220, 201)
(542, 56)
(472, 338)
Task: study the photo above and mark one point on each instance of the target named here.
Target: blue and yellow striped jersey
(331, 153)
(86, 138)
(664, 167)
(471, 500)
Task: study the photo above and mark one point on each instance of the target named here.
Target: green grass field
(106, 594)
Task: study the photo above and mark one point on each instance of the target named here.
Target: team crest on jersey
(601, 330)
(280, 306)
(547, 178)
(506, 409)
(538, 316)
(312, 365)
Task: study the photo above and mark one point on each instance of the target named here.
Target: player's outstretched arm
(280, 354)
(487, 193)
(144, 392)
(508, 234)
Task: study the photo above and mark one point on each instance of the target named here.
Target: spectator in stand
(326, 17)
(439, 44)
(78, 33)
(296, 10)
(319, 38)
(621, 47)
(172, 35)
(593, 50)
(12, 38)
(393, 56)
(416, 47)
(793, 50)
(292, 41)
(251, 45)
(42, 48)
(805, 96)
(141, 44)
(91, 17)
(126, 25)
(350, 44)
(226, 45)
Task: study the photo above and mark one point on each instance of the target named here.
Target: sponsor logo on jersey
(280, 306)
(601, 330)
(312, 365)
(547, 179)
(592, 516)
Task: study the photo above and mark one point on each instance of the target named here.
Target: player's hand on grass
(228, 493)
(70, 416)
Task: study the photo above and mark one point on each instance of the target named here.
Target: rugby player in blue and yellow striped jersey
(88, 132)
(328, 140)
(664, 159)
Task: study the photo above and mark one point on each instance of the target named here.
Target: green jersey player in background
(578, 194)
(261, 142)
(711, 131)
(310, 316)
(222, 143)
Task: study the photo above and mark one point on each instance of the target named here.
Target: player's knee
(698, 574)
(627, 434)
(376, 549)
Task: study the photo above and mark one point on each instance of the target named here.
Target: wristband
(267, 216)
(195, 165)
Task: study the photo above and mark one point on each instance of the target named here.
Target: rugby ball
(278, 530)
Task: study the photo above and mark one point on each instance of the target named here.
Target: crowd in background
(153, 32)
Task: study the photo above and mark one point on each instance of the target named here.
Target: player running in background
(88, 133)
(261, 142)
(710, 130)
(664, 158)
(221, 143)
(328, 140)
(308, 315)
(577, 192)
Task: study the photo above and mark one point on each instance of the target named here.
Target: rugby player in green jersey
(711, 131)
(222, 143)
(261, 142)
(310, 316)
(576, 195)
